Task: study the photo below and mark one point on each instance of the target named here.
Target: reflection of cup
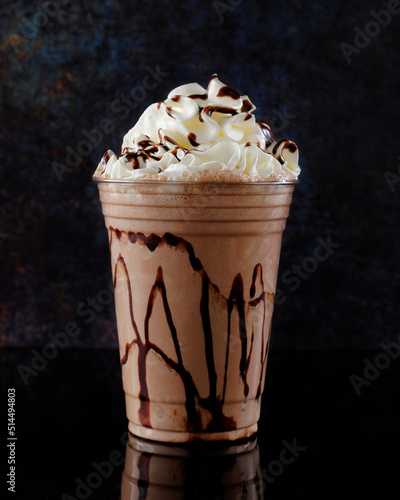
(163, 471)
(195, 268)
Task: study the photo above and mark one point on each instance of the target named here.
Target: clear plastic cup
(195, 268)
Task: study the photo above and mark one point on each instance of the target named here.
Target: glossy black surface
(71, 416)
(62, 76)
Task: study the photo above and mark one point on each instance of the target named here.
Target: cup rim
(193, 183)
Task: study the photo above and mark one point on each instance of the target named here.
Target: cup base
(185, 437)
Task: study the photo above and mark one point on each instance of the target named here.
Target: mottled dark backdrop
(64, 63)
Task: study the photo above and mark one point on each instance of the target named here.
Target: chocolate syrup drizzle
(143, 466)
(285, 144)
(105, 158)
(214, 402)
(268, 134)
(192, 139)
(227, 91)
(246, 106)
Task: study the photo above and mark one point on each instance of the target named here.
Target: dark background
(60, 74)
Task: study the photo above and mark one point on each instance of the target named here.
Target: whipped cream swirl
(196, 130)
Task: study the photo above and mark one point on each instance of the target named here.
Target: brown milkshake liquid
(194, 268)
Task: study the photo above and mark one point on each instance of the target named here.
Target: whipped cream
(196, 130)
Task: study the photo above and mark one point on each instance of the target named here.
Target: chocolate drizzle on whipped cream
(192, 139)
(204, 96)
(181, 136)
(105, 158)
(209, 110)
(195, 404)
(280, 146)
(226, 91)
(246, 107)
(268, 134)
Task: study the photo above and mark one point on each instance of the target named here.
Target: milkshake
(195, 207)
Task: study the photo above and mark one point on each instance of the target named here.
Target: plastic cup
(195, 268)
